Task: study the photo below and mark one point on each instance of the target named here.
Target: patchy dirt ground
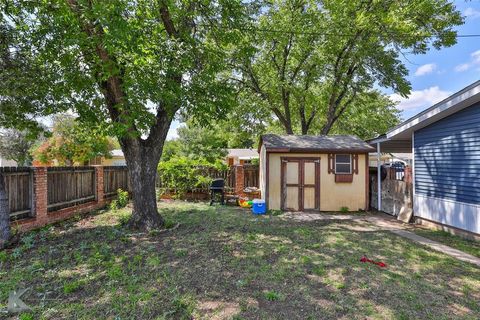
(224, 263)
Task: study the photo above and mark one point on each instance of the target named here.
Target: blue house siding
(447, 158)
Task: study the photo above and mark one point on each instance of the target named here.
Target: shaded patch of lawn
(469, 246)
(224, 263)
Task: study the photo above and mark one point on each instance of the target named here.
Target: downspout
(413, 173)
(379, 179)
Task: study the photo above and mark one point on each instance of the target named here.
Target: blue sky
(439, 73)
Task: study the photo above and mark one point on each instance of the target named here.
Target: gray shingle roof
(242, 153)
(319, 143)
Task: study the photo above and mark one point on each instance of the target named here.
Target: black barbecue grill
(217, 188)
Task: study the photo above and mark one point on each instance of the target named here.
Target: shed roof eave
(318, 150)
(394, 146)
(379, 139)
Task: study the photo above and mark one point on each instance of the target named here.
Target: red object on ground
(378, 263)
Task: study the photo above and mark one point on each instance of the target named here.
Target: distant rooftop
(243, 154)
(333, 143)
(117, 153)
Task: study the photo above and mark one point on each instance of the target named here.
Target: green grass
(469, 246)
(225, 263)
(272, 295)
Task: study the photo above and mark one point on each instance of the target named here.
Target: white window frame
(349, 163)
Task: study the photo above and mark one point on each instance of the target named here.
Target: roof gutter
(319, 150)
(457, 100)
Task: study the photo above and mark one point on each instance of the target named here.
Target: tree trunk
(142, 157)
(142, 174)
(327, 127)
(4, 215)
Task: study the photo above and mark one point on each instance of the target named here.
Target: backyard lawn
(224, 263)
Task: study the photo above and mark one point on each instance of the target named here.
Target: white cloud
(474, 61)
(420, 98)
(462, 67)
(476, 57)
(425, 69)
(471, 12)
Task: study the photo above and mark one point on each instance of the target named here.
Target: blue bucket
(259, 206)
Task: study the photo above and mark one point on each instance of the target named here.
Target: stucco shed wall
(333, 196)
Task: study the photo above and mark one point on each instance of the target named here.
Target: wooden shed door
(300, 184)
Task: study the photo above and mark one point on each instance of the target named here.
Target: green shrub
(124, 218)
(122, 198)
(113, 205)
(344, 209)
(181, 174)
(121, 201)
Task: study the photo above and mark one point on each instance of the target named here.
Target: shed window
(343, 163)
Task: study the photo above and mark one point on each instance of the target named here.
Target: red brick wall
(99, 184)
(239, 180)
(40, 202)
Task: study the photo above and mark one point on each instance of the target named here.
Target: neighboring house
(117, 159)
(326, 173)
(7, 163)
(405, 158)
(445, 143)
(241, 156)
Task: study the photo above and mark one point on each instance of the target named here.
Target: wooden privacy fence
(251, 175)
(69, 186)
(114, 178)
(228, 175)
(19, 184)
(396, 195)
(40, 195)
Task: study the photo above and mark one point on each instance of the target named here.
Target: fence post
(408, 175)
(100, 191)
(40, 195)
(239, 180)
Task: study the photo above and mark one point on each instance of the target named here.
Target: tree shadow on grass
(222, 263)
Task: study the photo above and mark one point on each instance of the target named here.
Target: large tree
(72, 142)
(15, 145)
(309, 61)
(128, 65)
(368, 116)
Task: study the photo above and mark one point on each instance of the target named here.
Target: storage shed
(322, 173)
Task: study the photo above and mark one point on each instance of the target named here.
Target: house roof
(243, 154)
(116, 153)
(456, 102)
(310, 143)
(399, 138)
